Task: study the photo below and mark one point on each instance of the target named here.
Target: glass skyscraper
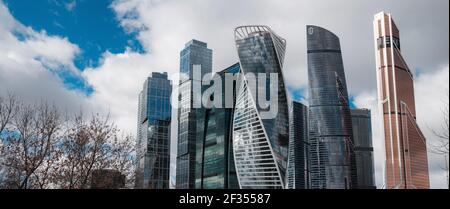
(153, 137)
(215, 167)
(362, 137)
(406, 162)
(330, 128)
(298, 163)
(260, 144)
(195, 54)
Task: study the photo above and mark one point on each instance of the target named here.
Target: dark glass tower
(330, 130)
(153, 137)
(195, 55)
(215, 167)
(362, 137)
(260, 144)
(298, 163)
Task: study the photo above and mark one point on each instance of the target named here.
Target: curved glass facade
(330, 129)
(260, 144)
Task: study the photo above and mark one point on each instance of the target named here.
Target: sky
(95, 55)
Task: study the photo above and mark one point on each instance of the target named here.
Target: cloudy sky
(95, 55)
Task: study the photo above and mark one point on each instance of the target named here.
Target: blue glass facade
(298, 163)
(194, 53)
(260, 144)
(153, 137)
(330, 128)
(215, 167)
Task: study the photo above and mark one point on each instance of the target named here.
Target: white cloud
(27, 58)
(163, 27)
(431, 90)
(20, 43)
(70, 6)
(117, 83)
(368, 100)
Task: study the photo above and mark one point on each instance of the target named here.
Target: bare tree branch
(8, 109)
(442, 146)
(42, 151)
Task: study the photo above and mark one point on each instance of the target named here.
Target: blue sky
(89, 24)
(112, 81)
(92, 25)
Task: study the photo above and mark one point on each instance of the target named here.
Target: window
(388, 41)
(396, 42)
(380, 43)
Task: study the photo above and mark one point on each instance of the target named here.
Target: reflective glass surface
(194, 53)
(260, 144)
(215, 167)
(298, 166)
(330, 131)
(153, 138)
(362, 136)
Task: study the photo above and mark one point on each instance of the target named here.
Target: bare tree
(8, 109)
(85, 147)
(441, 147)
(34, 132)
(94, 145)
(121, 157)
(39, 150)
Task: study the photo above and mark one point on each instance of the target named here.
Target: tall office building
(260, 144)
(298, 163)
(195, 55)
(362, 137)
(153, 137)
(330, 128)
(215, 167)
(406, 152)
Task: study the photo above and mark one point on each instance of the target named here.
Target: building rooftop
(162, 75)
(196, 42)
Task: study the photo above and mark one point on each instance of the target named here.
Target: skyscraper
(406, 163)
(298, 163)
(362, 137)
(215, 167)
(195, 54)
(260, 144)
(330, 128)
(153, 137)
